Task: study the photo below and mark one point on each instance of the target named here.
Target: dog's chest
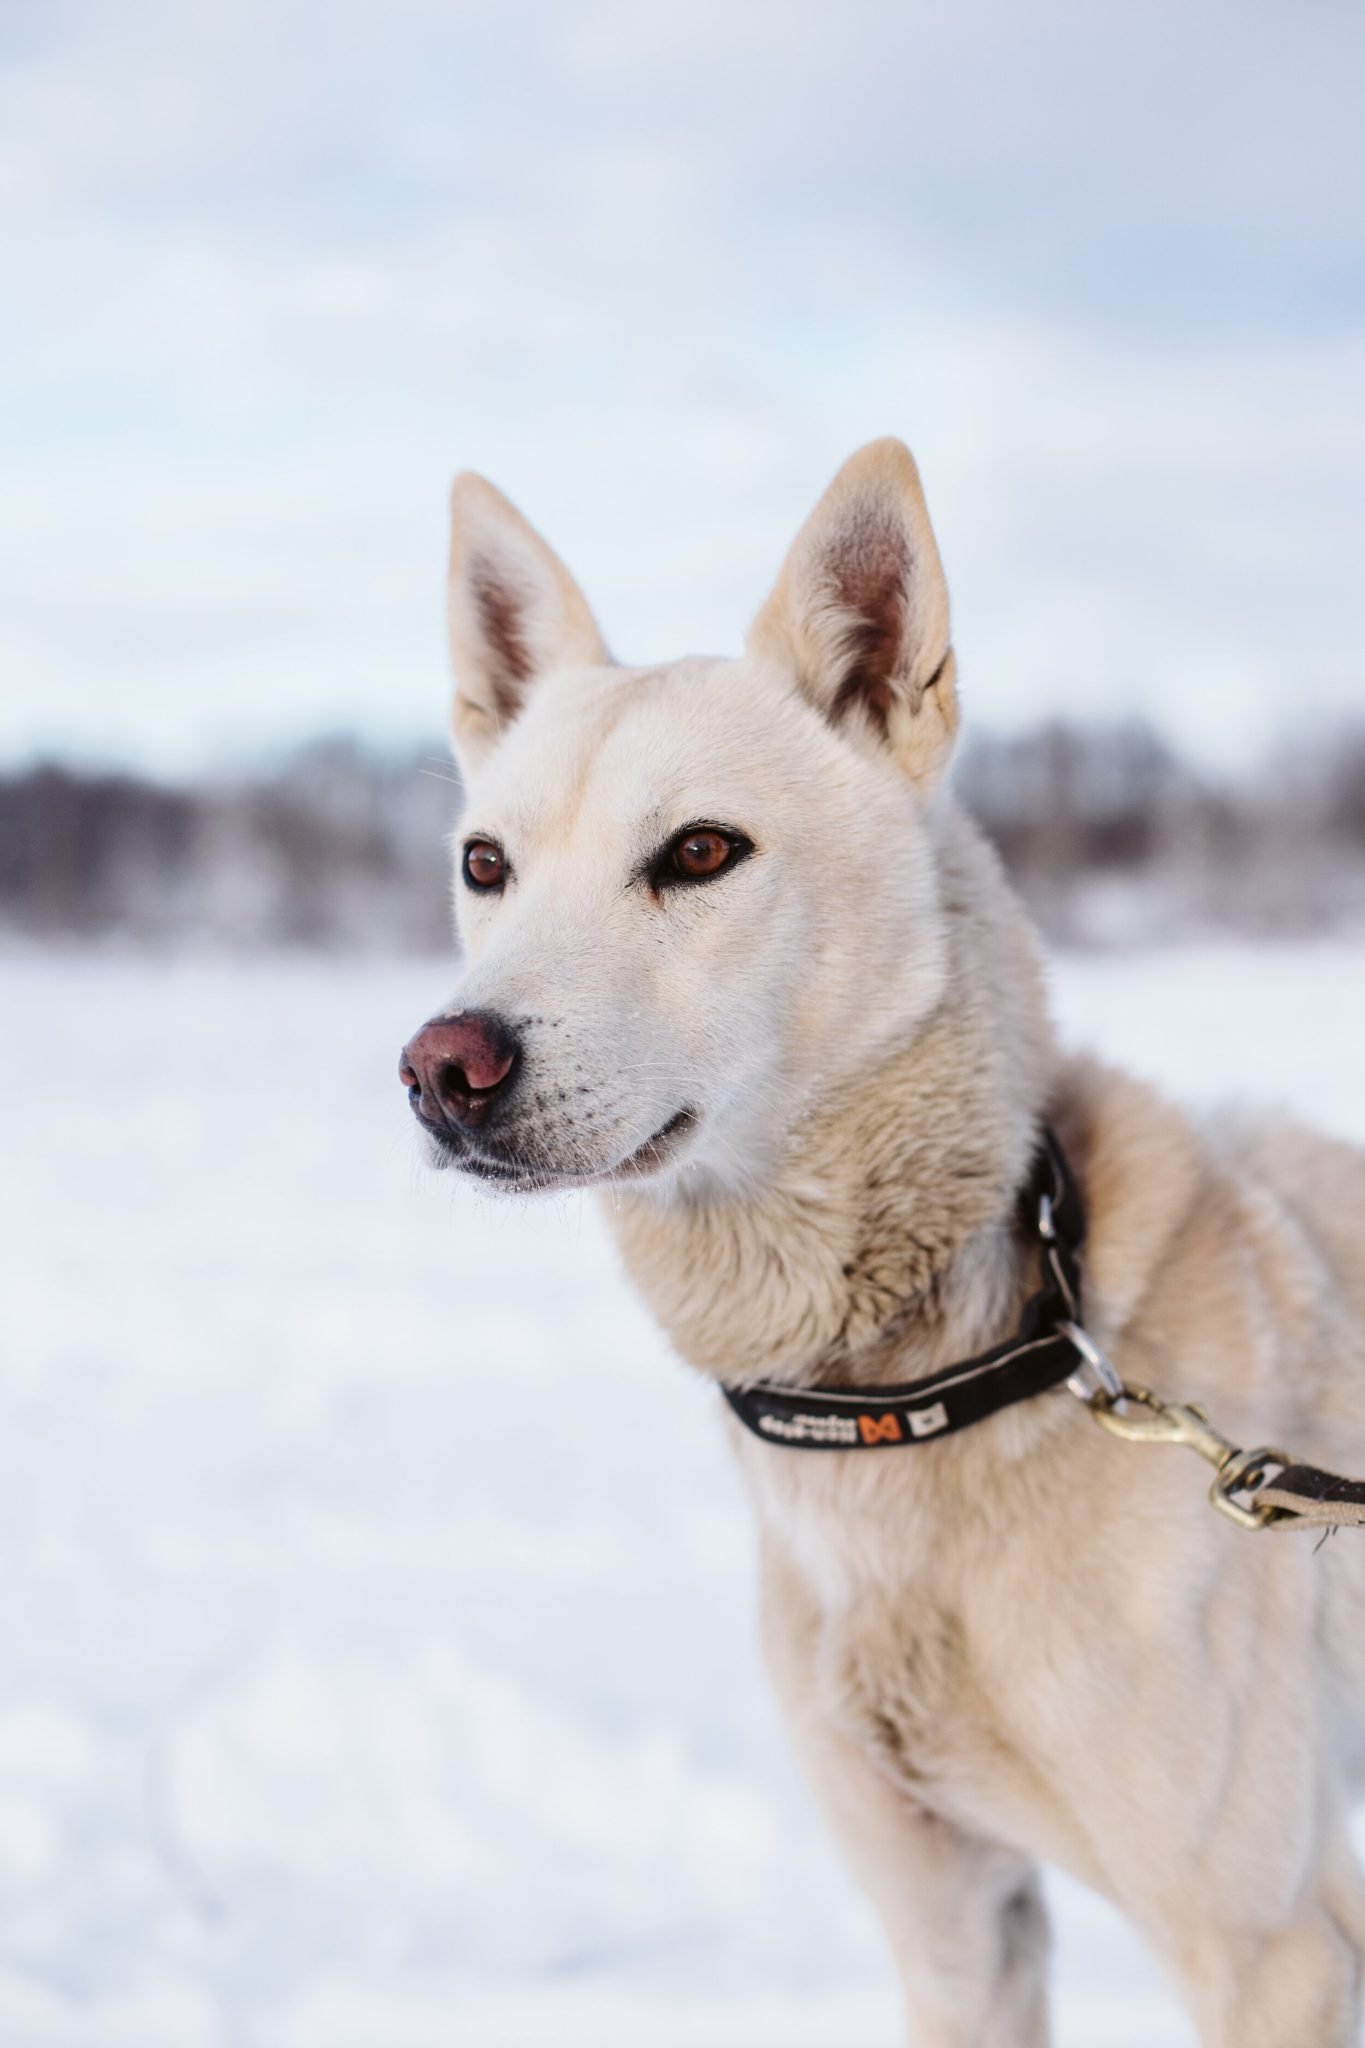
(874, 1629)
(893, 1676)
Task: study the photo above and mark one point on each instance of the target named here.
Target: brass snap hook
(1246, 1472)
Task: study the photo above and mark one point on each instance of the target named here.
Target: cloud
(281, 269)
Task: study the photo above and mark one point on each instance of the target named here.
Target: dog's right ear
(859, 615)
(516, 615)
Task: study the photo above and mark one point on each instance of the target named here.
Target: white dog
(735, 955)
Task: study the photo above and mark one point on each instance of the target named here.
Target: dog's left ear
(516, 615)
(859, 614)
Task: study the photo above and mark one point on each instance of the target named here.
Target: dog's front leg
(964, 1916)
(1300, 1985)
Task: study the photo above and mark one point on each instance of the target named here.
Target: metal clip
(1246, 1472)
(1144, 1418)
(1140, 1416)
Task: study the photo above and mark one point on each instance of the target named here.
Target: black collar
(1040, 1355)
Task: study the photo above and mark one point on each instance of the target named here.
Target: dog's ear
(515, 613)
(859, 614)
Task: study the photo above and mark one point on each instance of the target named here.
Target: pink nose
(456, 1067)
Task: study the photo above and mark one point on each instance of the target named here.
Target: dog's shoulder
(1227, 1246)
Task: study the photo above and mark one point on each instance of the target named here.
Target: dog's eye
(485, 865)
(699, 853)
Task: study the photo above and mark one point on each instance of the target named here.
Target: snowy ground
(376, 1662)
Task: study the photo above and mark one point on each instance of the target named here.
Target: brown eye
(701, 853)
(485, 866)
(698, 853)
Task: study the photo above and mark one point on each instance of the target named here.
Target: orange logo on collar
(879, 1429)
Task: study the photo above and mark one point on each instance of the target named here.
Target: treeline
(1114, 838)
(334, 848)
(1111, 837)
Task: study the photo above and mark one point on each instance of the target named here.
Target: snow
(376, 1634)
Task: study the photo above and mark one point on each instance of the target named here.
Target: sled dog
(735, 955)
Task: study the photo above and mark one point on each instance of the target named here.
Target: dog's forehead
(623, 748)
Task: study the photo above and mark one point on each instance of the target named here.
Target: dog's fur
(1029, 1641)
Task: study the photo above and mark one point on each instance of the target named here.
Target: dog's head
(695, 899)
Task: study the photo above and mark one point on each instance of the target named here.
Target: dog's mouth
(656, 1151)
(513, 1173)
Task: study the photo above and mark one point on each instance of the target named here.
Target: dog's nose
(457, 1067)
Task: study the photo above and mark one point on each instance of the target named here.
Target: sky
(274, 271)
